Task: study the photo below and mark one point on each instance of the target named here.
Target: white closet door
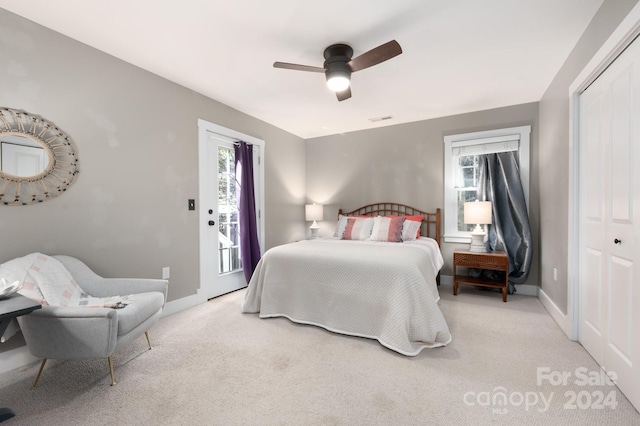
(609, 182)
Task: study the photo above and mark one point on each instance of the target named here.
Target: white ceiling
(458, 55)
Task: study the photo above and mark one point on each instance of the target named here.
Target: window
(466, 186)
(461, 169)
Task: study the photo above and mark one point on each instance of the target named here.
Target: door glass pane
(228, 238)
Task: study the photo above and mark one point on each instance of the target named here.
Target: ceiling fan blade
(297, 67)
(344, 94)
(375, 56)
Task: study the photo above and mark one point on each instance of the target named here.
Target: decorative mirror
(38, 161)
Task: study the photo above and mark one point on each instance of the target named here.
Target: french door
(220, 260)
(609, 218)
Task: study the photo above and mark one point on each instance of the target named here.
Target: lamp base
(477, 242)
(314, 230)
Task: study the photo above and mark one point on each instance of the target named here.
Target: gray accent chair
(56, 332)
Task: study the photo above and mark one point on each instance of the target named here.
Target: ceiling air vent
(373, 120)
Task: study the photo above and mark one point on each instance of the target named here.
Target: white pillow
(358, 228)
(340, 225)
(410, 230)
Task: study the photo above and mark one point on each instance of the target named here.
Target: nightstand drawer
(497, 260)
(481, 260)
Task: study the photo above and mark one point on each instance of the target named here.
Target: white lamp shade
(313, 212)
(477, 212)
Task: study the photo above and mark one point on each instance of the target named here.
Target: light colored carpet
(212, 365)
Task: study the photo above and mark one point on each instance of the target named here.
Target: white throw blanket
(46, 280)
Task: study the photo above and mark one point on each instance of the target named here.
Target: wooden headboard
(430, 222)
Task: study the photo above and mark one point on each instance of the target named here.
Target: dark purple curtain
(249, 245)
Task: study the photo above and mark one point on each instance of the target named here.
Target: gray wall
(405, 164)
(554, 150)
(137, 140)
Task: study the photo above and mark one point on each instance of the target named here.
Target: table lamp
(478, 213)
(313, 212)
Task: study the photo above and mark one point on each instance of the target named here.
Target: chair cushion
(138, 310)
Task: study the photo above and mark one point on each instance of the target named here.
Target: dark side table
(495, 260)
(12, 307)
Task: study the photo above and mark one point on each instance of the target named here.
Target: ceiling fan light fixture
(337, 82)
(339, 64)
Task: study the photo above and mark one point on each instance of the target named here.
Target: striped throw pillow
(387, 229)
(358, 229)
(415, 218)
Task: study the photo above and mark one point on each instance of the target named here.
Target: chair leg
(44, 361)
(146, 333)
(109, 359)
(113, 380)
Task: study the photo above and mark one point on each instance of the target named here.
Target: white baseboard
(558, 316)
(523, 289)
(15, 358)
(181, 304)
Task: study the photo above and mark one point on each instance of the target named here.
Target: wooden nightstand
(496, 260)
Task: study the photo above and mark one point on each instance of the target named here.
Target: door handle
(617, 241)
(211, 223)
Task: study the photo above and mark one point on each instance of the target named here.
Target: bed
(367, 287)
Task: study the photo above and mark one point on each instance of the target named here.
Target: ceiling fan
(338, 64)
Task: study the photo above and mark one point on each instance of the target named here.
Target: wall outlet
(165, 273)
(555, 274)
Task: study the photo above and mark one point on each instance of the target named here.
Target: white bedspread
(383, 291)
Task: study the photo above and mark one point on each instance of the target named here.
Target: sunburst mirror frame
(62, 168)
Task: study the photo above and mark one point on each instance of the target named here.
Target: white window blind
(486, 146)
